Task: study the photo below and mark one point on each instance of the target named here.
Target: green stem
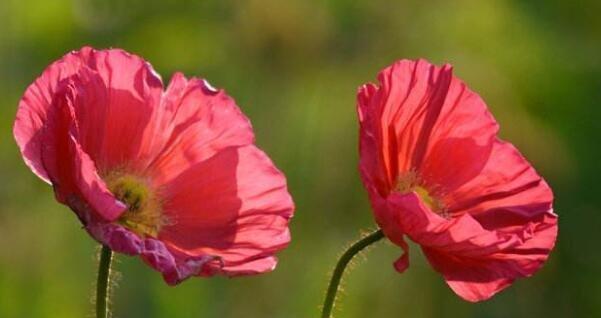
(103, 283)
(328, 303)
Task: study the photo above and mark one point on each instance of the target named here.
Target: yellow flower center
(411, 181)
(143, 215)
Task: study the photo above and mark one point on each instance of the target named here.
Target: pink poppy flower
(171, 175)
(437, 173)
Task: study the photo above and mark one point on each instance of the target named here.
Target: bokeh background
(294, 66)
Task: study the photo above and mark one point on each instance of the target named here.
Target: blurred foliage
(294, 67)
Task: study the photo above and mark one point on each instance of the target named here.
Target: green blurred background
(294, 67)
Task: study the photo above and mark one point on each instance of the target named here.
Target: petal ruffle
(476, 262)
(174, 267)
(33, 110)
(372, 162)
(69, 168)
(200, 121)
(506, 192)
(234, 205)
(117, 109)
(113, 105)
(419, 116)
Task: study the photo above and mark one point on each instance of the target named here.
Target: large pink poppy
(172, 174)
(437, 173)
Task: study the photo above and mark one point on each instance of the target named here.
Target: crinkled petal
(200, 121)
(114, 105)
(372, 162)
(422, 118)
(118, 109)
(175, 267)
(234, 205)
(508, 192)
(476, 262)
(70, 170)
(33, 110)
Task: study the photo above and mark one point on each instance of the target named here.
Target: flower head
(437, 173)
(172, 174)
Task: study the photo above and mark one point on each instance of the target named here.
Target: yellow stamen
(411, 181)
(143, 215)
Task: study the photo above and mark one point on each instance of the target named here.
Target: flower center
(411, 181)
(426, 197)
(143, 215)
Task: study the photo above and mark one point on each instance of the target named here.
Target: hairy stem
(103, 283)
(353, 250)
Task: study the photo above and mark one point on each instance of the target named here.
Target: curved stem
(103, 283)
(328, 303)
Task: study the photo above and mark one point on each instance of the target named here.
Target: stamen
(411, 181)
(144, 215)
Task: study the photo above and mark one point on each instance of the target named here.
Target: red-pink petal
(507, 190)
(175, 267)
(200, 121)
(372, 161)
(33, 108)
(476, 262)
(423, 118)
(70, 169)
(117, 93)
(117, 108)
(234, 205)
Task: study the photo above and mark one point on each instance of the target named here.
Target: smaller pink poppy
(437, 173)
(171, 175)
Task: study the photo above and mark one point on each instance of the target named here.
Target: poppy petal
(202, 121)
(117, 106)
(372, 163)
(425, 120)
(507, 192)
(174, 267)
(234, 205)
(33, 110)
(69, 168)
(116, 96)
(476, 262)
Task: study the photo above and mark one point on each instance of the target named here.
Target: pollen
(411, 181)
(143, 215)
